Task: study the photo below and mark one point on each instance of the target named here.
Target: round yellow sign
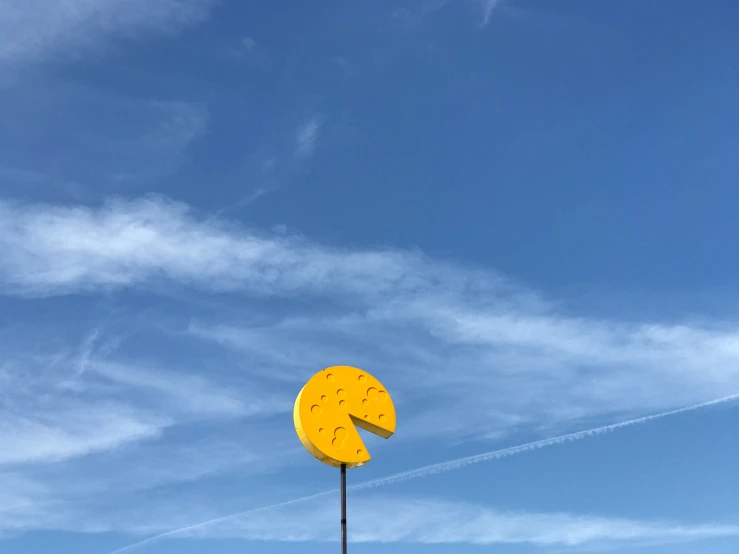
(330, 407)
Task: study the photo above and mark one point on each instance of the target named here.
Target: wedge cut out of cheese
(330, 407)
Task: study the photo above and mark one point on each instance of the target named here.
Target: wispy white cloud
(307, 135)
(50, 417)
(58, 249)
(68, 437)
(180, 392)
(391, 519)
(388, 519)
(488, 7)
(23, 502)
(70, 429)
(185, 459)
(90, 494)
(503, 356)
(37, 29)
(280, 162)
(86, 351)
(47, 416)
(524, 371)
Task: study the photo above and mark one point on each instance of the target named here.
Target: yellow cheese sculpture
(330, 407)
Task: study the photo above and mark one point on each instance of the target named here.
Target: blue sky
(519, 215)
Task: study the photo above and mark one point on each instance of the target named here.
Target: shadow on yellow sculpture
(330, 407)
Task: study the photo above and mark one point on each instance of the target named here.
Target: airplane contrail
(441, 467)
(451, 465)
(157, 538)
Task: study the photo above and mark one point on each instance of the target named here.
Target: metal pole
(343, 508)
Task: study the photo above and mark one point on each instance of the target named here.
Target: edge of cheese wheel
(302, 434)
